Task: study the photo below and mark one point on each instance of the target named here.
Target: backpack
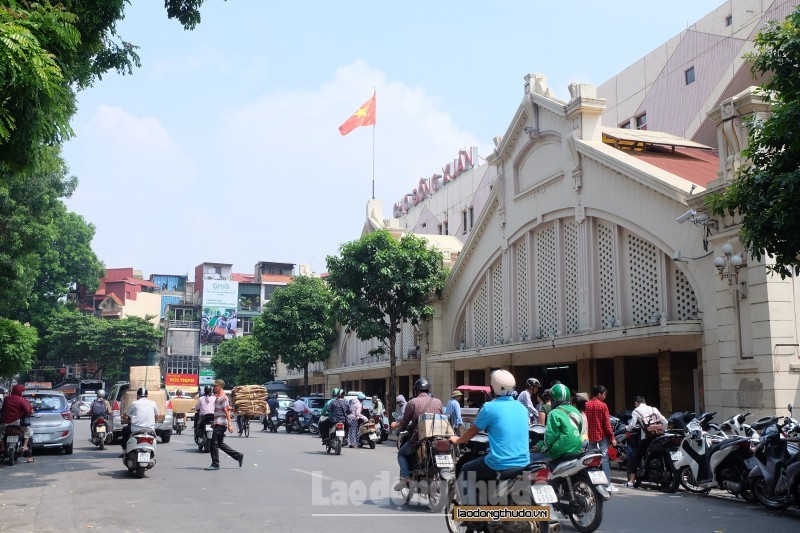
(652, 426)
(99, 407)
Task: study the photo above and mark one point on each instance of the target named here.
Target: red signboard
(181, 380)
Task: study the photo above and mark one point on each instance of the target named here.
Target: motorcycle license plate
(37, 438)
(373, 436)
(144, 457)
(676, 456)
(751, 462)
(101, 431)
(340, 433)
(598, 477)
(274, 419)
(544, 494)
(208, 427)
(12, 439)
(444, 460)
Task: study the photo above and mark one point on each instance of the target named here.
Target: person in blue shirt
(454, 411)
(505, 421)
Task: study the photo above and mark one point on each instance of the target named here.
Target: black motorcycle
(12, 440)
(657, 467)
(776, 477)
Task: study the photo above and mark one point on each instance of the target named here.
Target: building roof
(142, 283)
(275, 278)
(698, 166)
(116, 299)
(632, 137)
(244, 278)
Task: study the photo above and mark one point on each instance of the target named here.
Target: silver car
(83, 405)
(51, 422)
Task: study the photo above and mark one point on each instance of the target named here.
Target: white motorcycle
(140, 452)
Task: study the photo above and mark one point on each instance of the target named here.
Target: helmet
(335, 392)
(141, 391)
(559, 393)
(422, 384)
(341, 393)
(503, 382)
(207, 390)
(179, 392)
(101, 393)
(533, 382)
(362, 397)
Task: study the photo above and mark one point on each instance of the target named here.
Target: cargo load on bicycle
(249, 400)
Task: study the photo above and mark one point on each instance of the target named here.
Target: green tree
(297, 324)
(379, 283)
(766, 193)
(17, 345)
(242, 361)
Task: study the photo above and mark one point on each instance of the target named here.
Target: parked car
(51, 422)
(315, 403)
(163, 422)
(283, 404)
(82, 406)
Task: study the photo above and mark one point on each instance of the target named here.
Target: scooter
(432, 468)
(580, 485)
(313, 426)
(140, 452)
(101, 432)
(335, 438)
(179, 422)
(526, 486)
(735, 426)
(776, 477)
(12, 441)
(297, 422)
(204, 432)
(657, 466)
(708, 462)
(367, 435)
(383, 429)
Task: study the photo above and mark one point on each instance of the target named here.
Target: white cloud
(120, 127)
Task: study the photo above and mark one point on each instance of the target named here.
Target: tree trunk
(305, 378)
(392, 399)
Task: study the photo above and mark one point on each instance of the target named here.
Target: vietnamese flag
(365, 116)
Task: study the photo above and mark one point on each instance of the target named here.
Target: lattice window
(684, 302)
(606, 252)
(546, 281)
(480, 318)
(408, 338)
(645, 290)
(463, 340)
(523, 305)
(571, 267)
(497, 303)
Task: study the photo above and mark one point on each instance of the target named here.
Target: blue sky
(223, 146)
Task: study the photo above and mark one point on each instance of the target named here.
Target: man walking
(600, 433)
(528, 397)
(454, 411)
(222, 420)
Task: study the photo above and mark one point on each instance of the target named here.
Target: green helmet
(559, 393)
(335, 392)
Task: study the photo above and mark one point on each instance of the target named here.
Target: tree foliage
(242, 361)
(379, 283)
(766, 193)
(296, 324)
(115, 345)
(17, 345)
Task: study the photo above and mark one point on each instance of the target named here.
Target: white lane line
(313, 474)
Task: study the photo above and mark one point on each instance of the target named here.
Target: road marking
(395, 515)
(313, 474)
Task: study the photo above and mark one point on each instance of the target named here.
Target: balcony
(184, 324)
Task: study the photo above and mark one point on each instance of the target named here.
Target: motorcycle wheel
(687, 481)
(452, 525)
(274, 429)
(178, 431)
(437, 492)
(207, 447)
(313, 429)
(670, 484)
(590, 502)
(288, 428)
(11, 454)
(338, 449)
(139, 472)
(371, 444)
(102, 444)
(247, 430)
(761, 492)
(747, 493)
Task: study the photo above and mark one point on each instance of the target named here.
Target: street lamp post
(728, 266)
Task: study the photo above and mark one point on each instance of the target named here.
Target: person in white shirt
(642, 414)
(141, 416)
(299, 406)
(527, 396)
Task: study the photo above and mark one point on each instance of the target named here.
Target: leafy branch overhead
(766, 193)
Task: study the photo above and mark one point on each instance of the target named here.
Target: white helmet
(503, 383)
(101, 393)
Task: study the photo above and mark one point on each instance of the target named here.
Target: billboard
(220, 302)
(178, 381)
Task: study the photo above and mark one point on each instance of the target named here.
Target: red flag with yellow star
(365, 116)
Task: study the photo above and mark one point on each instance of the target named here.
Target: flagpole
(373, 148)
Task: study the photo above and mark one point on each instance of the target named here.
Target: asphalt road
(288, 483)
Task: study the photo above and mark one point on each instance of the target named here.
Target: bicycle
(243, 421)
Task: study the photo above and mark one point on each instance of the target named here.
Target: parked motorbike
(708, 462)
(367, 434)
(657, 466)
(12, 441)
(431, 468)
(335, 438)
(735, 426)
(101, 432)
(204, 432)
(527, 485)
(313, 426)
(579, 484)
(297, 422)
(776, 477)
(179, 422)
(140, 452)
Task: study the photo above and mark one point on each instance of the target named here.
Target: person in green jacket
(564, 428)
(324, 423)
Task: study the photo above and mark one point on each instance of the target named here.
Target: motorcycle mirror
(790, 409)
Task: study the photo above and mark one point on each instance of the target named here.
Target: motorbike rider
(338, 411)
(422, 403)
(401, 404)
(141, 415)
(506, 423)
(641, 414)
(204, 407)
(273, 405)
(377, 406)
(325, 413)
(100, 407)
(528, 397)
(564, 428)
(299, 407)
(15, 408)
